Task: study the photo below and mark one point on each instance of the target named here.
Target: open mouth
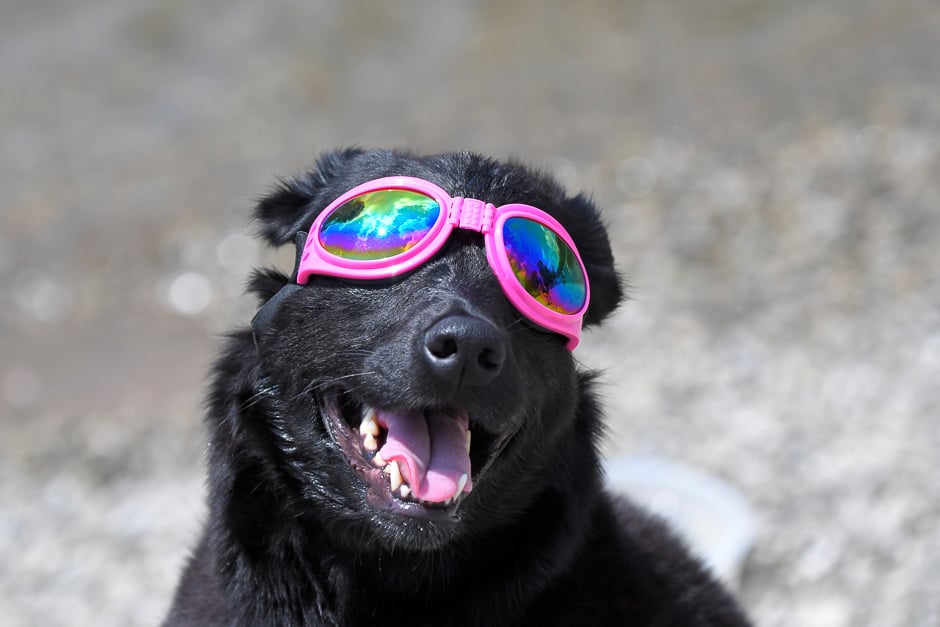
(417, 462)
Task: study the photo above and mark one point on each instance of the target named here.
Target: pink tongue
(431, 450)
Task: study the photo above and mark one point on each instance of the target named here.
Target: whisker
(255, 398)
(517, 324)
(316, 386)
(354, 352)
(323, 384)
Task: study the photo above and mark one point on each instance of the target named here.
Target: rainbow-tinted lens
(544, 265)
(379, 225)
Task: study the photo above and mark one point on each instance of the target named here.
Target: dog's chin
(360, 433)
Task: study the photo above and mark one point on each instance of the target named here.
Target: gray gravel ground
(769, 171)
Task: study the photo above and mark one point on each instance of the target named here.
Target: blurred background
(769, 171)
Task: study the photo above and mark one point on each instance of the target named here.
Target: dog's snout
(465, 350)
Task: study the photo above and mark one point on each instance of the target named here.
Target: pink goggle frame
(462, 213)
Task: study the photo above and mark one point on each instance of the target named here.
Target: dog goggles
(390, 226)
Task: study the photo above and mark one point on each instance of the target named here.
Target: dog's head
(474, 406)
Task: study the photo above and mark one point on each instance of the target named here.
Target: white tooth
(461, 484)
(370, 443)
(468, 441)
(378, 461)
(369, 426)
(405, 490)
(394, 475)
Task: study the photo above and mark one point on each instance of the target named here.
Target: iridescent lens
(378, 225)
(544, 265)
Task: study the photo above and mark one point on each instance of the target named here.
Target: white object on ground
(708, 513)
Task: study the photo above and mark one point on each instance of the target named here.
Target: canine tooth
(378, 460)
(370, 443)
(405, 490)
(394, 475)
(468, 441)
(461, 484)
(369, 426)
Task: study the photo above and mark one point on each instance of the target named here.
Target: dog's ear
(590, 235)
(291, 206)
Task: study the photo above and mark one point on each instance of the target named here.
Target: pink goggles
(390, 226)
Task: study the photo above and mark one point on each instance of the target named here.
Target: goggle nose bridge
(472, 214)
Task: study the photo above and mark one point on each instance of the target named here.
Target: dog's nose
(465, 350)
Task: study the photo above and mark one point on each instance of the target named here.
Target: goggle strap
(263, 317)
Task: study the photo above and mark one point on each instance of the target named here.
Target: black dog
(305, 529)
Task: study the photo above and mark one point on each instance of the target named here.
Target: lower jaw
(410, 509)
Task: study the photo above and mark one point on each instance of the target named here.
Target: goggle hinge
(472, 214)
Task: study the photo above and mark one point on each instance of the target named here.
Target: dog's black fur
(295, 534)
